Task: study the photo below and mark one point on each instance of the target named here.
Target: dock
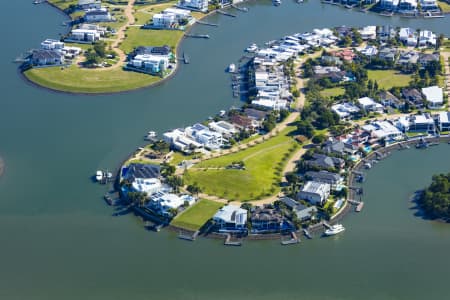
(293, 240)
(326, 224)
(226, 13)
(359, 207)
(197, 36)
(39, 1)
(307, 234)
(112, 198)
(188, 237)
(207, 23)
(230, 242)
(185, 58)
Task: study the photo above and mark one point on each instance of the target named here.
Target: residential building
(98, 15)
(388, 99)
(201, 5)
(180, 141)
(339, 147)
(426, 58)
(89, 4)
(368, 104)
(153, 64)
(84, 35)
(230, 218)
(429, 5)
(205, 137)
(408, 36)
(302, 212)
(414, 97)
(386, 32)
(322, 161)
(163, 202)
(147, 185)
(50, 44)
(434, 96)
(345, 110)
(368, 32)
(427, 38)
(416, 123)
(333, 179)
(369, 51)
(383, 130)
(265, 220)
(344, 54)
(408, 57)
(245, 123)
(316, 193)
(44, 57)
(388, 54)
(443, 121)
(389, 4)
(223, 127)
(164, 20)
(144, 171)
(407, 6)
(256, 114)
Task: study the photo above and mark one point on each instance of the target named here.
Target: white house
(231, 218)
(368, 50)
(98, 15)
(408, 36)
(407, 5)
(368, 32)
(427, 38)
(223, 128)
(50, 44)
(443, 121)
(434, 96)
(89, 4)
(164, 20)
(270, 104)
(147, 185)
(314, 192)
(344, 110)
(207, 138)
(164, 202)
(429, 5)
(201, 5)
(389, 4)
(368, 104)
(153, 64)
(416, 123)
(180, 14)
(383, 129)
(84, 35)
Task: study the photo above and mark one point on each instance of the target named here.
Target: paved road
(446, 56)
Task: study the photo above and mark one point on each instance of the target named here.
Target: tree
(319, 138)
(100, 49)
(194, 188)
(175, 182)
(305, 128)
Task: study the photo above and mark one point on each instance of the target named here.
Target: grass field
(332, 92)
(389, 78)
(444, 6)
(197, 215)
(77, 80)
(259, 179)
(143, 37)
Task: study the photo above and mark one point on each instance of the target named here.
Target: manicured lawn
(145, 37)
(444, 6)
(63, 4)
(258, 180)
(78, 80)
(197, 215)
(332, 92)
(389, 78)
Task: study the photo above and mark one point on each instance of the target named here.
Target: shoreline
(2, 166)
(151, 85)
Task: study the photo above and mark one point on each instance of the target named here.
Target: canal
(60, 241)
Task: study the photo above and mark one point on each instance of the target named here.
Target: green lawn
(63, 4)
(445, 7)
(196, 215)
(389, 78)
(145, 37)
(332, 92)
(78, 80)
(259, 179)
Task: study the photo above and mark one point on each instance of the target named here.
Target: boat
(367, 165)
(108, 175)
(99, 175)
(335, 229)
(222, 113)
(276, 2)
(151, 135)
(252, 48)
(422, 144)
(232, 68)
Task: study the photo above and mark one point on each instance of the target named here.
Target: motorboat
(252, 48)
(232, 68)
(335, 229)
(276, 2)
(99, 175)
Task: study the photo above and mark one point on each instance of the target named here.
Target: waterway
(60, 241)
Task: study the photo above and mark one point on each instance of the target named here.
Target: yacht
(252, 48)
(99, 175)
(276, 2)
(335, 229)
(232, 68)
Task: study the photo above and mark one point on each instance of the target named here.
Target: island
(321, 108)
(435, 199)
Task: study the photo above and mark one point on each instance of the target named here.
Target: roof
(231, 214)
(444, 117)
(323, 175)
(315, 187)
(366, 101)
(265, 215)
(45, 54)
(324, 161)
(433, 94)
(143, 171)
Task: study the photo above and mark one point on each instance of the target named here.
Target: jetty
(293, 240)
(230, 242)
(307, 234)
(198, 36)
(185, 58)
(207, 23)
(112, 198)
(359, 204)
(226, 13)
(188, 236)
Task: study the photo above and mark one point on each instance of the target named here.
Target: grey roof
(289, 202)
(323, 176)
(143, 171)
(97, 12)
(45, 54)
(324, 161)
(304, 212)
(255, 113)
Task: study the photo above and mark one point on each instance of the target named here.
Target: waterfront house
(434, 96)
(416, 123)
(98, 15)
(224, 128)
(333, 179)
(204, 136)
(429, 5)
(265, 220)
(368, 104)
(150, 63)
(443, 121)
(144, 171)
(383, 130)
(163, 202)
(245, 123)
(427, 38)
(386, 32)
(321, 161)
(256, 114)
(407, 6)
(345, 110)
(84, 35)
(178, 140)
(302, 212)
(50, 44)
(315, 193)
(408, 36)
(171, 18)
(147, 185)
(89, 4)
(389, 5)
(413, 96)
(368, 32)
(164, 20)
(339, 147)
(200, 5)
(230, 218)
(42, 57)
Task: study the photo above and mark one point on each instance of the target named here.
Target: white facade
(314, 192)
(389, 4)
(427, 38)
(98, 15)
(383, 129)
(163, 20)
(344, 110)
(152, 63)
(434, 96)
(368, 32)
(50, 44)
(201, 5)
(443, 120)
(408, 36)
(223, 128)
(369, 104)
(407, 5)
(85, 35)
(147, 185)
(429, 5)
(231, 216)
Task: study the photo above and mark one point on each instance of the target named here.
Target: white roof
(315, 187)
(444, 117)
(231, 214)
(433, 94)
(146, 185)
(366, 101)
(381, 129)
(344, 109)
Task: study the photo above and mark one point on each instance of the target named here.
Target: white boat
(222, 113)
(109, 175)
(276, 2)
(335, 229)
(232, 68)
(252, 48)
(99, 175)
(367, 165)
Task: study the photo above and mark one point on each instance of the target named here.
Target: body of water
(60, 241)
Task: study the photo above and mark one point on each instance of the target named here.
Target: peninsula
(435, 200)
(321, 107)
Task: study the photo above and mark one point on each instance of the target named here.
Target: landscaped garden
(197, 215)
